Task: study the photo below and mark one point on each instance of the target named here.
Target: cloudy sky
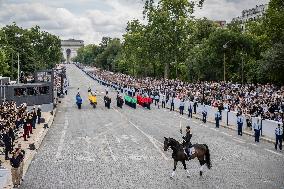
(90, 20)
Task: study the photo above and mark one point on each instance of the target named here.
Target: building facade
(69, 48)
(251, 15)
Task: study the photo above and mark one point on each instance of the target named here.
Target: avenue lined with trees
(174, 44)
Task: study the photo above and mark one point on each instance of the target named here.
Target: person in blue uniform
(278, 134)
(217, 119)
(256, 127)
(190, 111)
(204, 114)
(240, 122)
(79, 100)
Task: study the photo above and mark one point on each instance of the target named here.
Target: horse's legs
(175, 167)
(184, 166)
(202, 164)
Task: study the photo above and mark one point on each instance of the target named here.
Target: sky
(90, 20)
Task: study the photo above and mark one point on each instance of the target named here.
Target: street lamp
(225, 47)
(242, 68)
(18, 54)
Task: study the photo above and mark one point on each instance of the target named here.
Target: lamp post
(18, 54)
(18, 78)
(242, 68)
(225, 47)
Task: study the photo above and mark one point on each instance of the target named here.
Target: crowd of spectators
(13, 121)
(266, 101)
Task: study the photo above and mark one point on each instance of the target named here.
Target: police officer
(181, 106)
(194, 106)
(217, 119)
(256, 127)
(278, 133)
(163, 98)
(240, 122)
(204, 114)
(190, 110)
(187, 138)
(172, 103)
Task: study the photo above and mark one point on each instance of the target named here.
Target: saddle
(189, 152)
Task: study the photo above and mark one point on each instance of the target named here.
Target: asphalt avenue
(123, 148)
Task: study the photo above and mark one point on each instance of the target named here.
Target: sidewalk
(36, 138)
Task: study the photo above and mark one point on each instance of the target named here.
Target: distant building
(221, 23)
(69, 48)
(251, 15)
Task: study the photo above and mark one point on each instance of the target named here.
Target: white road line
(226, 134)
(273, 152)
(61, 141)
(185, 118)
(194, 121)
(109, 124)
(238, 141)
(151, 139)
(253, 144)
(158, 141)
(110, 150)
(214, 129)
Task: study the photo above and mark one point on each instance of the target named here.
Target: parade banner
(144, 101)
(130, 101)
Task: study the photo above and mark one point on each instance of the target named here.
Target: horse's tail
(207, 157)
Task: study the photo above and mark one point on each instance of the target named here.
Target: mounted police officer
(256, 127)
(186, 141)
(278, 133)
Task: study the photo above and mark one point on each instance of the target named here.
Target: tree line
(174, 44)
(37, 50)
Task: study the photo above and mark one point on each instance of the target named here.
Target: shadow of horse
(202, 153)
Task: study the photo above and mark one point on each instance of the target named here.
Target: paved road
(122, 148)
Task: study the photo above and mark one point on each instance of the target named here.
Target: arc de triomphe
(69, 48)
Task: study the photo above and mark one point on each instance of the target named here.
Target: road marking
(109, 124)
(110, 150)
(61, 141)
(226, 134)
(194, 121)
(151, 139)
(214, 129)
(277, 153)
(238, 140)
(253, 144)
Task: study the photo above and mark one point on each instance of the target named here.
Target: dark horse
(201, 152)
